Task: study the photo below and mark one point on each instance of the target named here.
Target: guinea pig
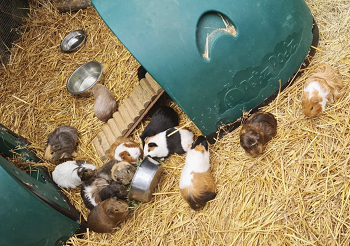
(106, 215)
(164, 118)
(113, 190)
(141, 72)
(197, 185)
(259, 128)
(90, 191)
(165, 143)
(323, 86)
(105, 103)
(61, 143)
(71, 174)
(121, 172)
(124, 149)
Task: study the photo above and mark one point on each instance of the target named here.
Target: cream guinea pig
(105, 103)
(323, 86)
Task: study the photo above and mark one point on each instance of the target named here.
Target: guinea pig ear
(316, 100)
(152, 145)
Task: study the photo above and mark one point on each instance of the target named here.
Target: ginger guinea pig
(164, 118)
(105, 103)
(106, 215)
(124, 149)
(71, 174)
(121, 172)
(197, 185)
(260, 128)
(323, 86)
(165, 143)
(61, 143)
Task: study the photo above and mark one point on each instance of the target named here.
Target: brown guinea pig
(106, 215)
(61, 143)
(260, 128)
(124, 149)
(105, 104)
(323, 86)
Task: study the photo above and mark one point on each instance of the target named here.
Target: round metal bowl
(73, 40)
(84, 77)
(145, 180)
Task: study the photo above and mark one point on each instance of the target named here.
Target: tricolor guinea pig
(105, 103)
(106, 215)
(121, 172)
(71, 174)
(124, 149)
(61, 143)
(260, 128)
(168, 142)
(323, 86)
(164, 118)
(196, 182)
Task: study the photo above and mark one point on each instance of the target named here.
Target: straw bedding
(296, 193)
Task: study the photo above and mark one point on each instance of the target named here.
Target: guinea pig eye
(116, 210)
(52, 153)
(312, 108)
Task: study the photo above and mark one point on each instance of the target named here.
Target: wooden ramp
(128, 116)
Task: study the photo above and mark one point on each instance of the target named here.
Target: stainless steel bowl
(145, 180)
(84, 77)
(73, 40)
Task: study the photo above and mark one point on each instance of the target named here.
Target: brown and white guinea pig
(71, 174)
(260, 128)
(323, 86)
(61, 143)
(106, 215)
(105, 103)
(196, 182)
(164, 118)
(124, 149)
(121, 172)
(166, 143)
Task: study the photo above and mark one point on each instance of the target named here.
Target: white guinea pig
(167, 142)
(71, 174)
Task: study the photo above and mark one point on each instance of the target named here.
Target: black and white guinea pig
(71, 174)
(90, 191)
(61, 143)
(260, 128)
(121, 172)
(167, 142)
(124, 149)
(197, 185)
(164, 118)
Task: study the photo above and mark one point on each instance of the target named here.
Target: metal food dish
(145, 180)
(84, 77)
(73, 41)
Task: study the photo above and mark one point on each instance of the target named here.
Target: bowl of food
(84, 77)
(145, 180)
(73, 41)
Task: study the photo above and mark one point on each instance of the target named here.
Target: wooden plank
(146, 88)
(103, 142)
(125, 116)
(136, 101)
(155, 86)
(120, 122)
(143, 97)
(98, 147)
(109, 134)
(114, 128)
(132, 110)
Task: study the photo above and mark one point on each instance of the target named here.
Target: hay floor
(297, 193)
